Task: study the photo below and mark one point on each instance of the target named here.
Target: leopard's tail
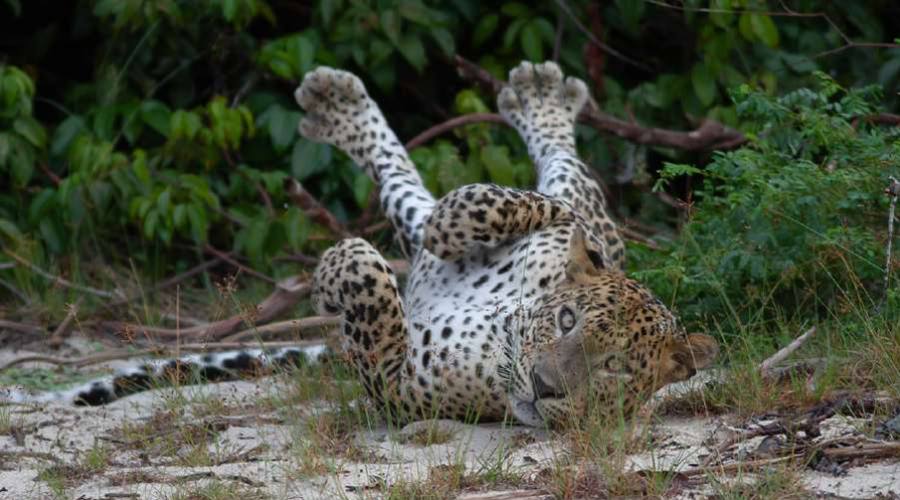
(190, 369)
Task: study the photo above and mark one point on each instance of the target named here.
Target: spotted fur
(516, 303)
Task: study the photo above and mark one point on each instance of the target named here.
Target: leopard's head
(599, 339)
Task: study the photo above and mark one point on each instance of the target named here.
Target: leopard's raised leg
(352, 279)
(542, 106)
(339, 112)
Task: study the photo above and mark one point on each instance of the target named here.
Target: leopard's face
(599, 341)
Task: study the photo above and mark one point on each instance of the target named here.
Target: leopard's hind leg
(352, 279)
(339, 112)
(542, 106)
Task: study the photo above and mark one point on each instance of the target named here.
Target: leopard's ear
(583, 261)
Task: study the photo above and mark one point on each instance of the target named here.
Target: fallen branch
(291, 325)
(286, 295)
(766, 367)
(158, 351)
(710, 135)
(21, 327)
(451, 124)
(59, 335)
(58, 279)
(313, 208)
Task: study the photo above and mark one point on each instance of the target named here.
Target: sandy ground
(258, 451)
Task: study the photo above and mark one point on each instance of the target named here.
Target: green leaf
(50, 236)
(15, 6)
(416, 11)
(65, 133)
(515, 9)
(362, 187)
(499, 167)
(31, 130)
(229, 9)
(764, 28)
(704, 83)
(281, 124)
(531, 42)
(157, 116)
(444, 40)
(413, 51)
(309, 158)
(390, 23)
(199, 223)
(484, 29)
(296, 227)
(10, 230)
(21, 164)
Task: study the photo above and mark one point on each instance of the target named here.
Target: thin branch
(557, 40)
(291, 325)
(849, 43)
(593, 39)
(893, 190)
(21, 327)
(59, 335)
(451, 124)
(709, 135)
(286, 295)
(58, 279)
(158, 351)
(229, 259)
(767, 366)
(313, 208)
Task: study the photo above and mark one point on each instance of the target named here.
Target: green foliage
(147, 130)
(794, 223)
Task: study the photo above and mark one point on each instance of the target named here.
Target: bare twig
(117, 354)
(848, 42)
(893, 190)
(767, 366)
(287, 293)
(564, 6)
(451, 124)
(15, 291)
(21, 327)
(56, 339)
(557, 39)
(313, 208)
(58, 279)
(709, 135)
(291, 325)
(229, 259)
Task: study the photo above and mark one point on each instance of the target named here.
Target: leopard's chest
(456, 313)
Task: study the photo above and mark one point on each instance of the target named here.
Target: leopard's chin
(525, 412)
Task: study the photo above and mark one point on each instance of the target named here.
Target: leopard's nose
(542, 389)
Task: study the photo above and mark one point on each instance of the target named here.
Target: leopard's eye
(565, 319)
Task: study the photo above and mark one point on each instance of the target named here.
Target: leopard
(516, 305)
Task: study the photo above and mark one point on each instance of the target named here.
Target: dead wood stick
(156, 351)
(59, 335)
(708, 136)
(21, 327)
(868, 451)
(58, 279)
(313, 208)
(451, 124)
(231, 260)
(766, 367)
(893, 190)
(291, 325)
(287, 293)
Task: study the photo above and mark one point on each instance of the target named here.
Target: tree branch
(313, 208)
(709, 135)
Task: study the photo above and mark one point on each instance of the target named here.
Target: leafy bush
(792, 225)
